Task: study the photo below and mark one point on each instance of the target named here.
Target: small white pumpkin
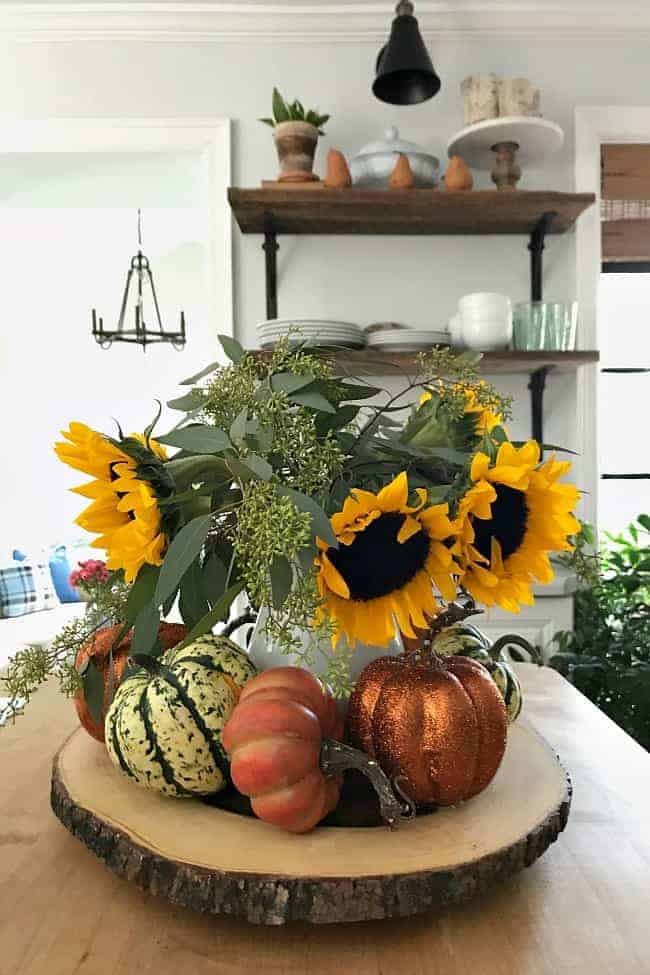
(164, 726)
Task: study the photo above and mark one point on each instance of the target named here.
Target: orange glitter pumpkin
(439, 725)
(97, 649)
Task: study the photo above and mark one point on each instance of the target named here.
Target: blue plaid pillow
(18, 591)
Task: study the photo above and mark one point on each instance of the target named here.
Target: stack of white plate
(311, 331)
(407, 339)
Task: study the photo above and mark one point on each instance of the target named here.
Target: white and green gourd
(464, 639)
(164, 726)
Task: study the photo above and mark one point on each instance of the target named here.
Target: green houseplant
(607, 657)
(296, 132)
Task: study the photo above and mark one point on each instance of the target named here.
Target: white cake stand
(513, 140)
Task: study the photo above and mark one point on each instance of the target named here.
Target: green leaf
(312, 399)
(200, 375)
(218, 612)
(280, 110)
(193, 604)
(306, 558)
(288, 382)
(267, 121)
(145, 631)
(93, 685)
(644, 521)
(352, 391)
(142, 591)
(238, 426)
(499, 435)
(198, 438)
(251, 467)
(281, 580)
(215, 575)
(320, 522)
(193, 400)
(232, 348)
(180, 555)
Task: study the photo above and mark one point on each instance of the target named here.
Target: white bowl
(482, 301)
(488, 334)
(456, 331)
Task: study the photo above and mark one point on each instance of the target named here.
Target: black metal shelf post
(536, 246)
(271, 248)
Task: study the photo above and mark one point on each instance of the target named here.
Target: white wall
(414, 280)
(67, 234)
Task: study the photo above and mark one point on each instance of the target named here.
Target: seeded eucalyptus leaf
(288, 382)
(306, 558)
(281, 580)
(142, 591)
(238, 426)
(313, 399)
(193, 400)
(192, 603)
(251, 467)
(180, 555)
(93, 685)
(215, 575)
(200, 375)
(352, 391)
(145, 630)
(218, 612)
(232, 348)
(198, 438)
(319, 521)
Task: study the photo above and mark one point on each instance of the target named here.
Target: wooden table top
(584, 908)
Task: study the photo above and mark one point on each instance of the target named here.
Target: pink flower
(92, 571)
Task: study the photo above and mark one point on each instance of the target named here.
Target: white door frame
(595, 125)
(208, 136)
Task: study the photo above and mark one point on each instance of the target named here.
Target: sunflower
(124, 506)
(486, 419)
(390, 557)
(508, 522)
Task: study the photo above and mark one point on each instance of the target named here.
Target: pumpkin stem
(518, 641)
(454, 613)
(336, 757)
(151, 664)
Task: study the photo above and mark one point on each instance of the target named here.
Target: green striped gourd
(464, 639)
(164, 726)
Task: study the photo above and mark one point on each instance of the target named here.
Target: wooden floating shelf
(410, 212)
(371, 362)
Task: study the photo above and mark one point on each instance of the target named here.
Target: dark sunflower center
(507, 524)
(376, 564)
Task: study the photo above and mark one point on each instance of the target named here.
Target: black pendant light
(140, 273)
(405, 74)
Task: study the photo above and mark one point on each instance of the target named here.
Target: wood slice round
(216, 861)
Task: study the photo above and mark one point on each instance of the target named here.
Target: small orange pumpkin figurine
(97, 649)
(402, 177)
(338, 173)
(281, 739)
(439, 724)
(458, 176)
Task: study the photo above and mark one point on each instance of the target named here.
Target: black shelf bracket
(536, 248)
(271, 248)
(537, 385)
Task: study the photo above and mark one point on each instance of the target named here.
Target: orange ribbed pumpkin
(97, 649)
(274, 738)
(438, 724)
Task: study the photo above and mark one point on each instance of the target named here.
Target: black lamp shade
(405, 74)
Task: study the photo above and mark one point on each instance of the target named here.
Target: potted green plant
(296, 134)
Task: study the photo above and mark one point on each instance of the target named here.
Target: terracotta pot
(296, 145)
